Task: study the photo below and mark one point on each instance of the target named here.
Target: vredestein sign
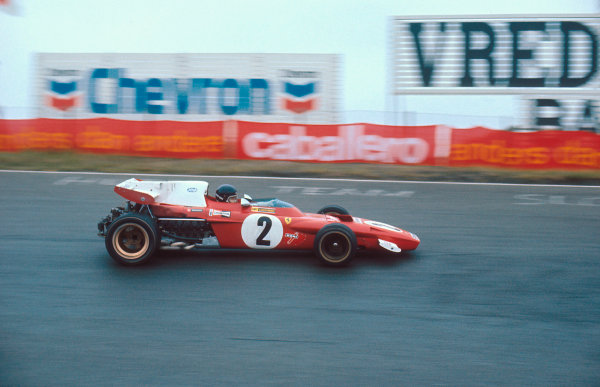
(517, 54)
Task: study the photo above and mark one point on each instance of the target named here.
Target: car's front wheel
(335, 244)
(132, 239)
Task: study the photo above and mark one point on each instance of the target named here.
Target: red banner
(103, 135)
(531, 150)
(337, 143)
(424, 145)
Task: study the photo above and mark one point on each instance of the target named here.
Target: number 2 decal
(262, 231)
(263, 220)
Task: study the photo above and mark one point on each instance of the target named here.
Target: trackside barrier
(403, 145)
(104, 135)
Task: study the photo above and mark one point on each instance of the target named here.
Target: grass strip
(80, 162)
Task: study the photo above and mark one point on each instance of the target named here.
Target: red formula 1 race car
(182, 214)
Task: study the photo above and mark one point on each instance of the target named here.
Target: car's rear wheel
(333, 209)
(132, 239)
(335, 244)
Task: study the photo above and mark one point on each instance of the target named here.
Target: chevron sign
(62, 95)
(299, 91)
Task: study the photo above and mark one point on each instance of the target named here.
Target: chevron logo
(62, 95)
(299, 98)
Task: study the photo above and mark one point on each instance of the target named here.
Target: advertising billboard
(190, 87)
(561, 112)
(516, 54)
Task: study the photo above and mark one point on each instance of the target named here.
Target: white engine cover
(183, 193)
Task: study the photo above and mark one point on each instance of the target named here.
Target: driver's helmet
(226, 193)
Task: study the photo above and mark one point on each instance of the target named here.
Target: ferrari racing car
(181, 214)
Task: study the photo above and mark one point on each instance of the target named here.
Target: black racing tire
(132, 239)
(333, 209)
(335, 244)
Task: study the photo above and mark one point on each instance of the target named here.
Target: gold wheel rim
(335, 247)
(131, 241)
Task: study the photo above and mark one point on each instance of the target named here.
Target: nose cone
(397, 243)
(413, 243)
(405, 240)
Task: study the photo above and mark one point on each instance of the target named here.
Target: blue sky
(355, 29)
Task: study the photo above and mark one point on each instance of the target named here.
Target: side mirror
(245, 202)
(246, 196)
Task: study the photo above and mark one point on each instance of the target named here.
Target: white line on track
(305, 179)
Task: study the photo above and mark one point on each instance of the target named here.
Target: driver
(226, 193)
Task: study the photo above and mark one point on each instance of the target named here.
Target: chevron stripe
(63, 87)
(63, 104)
(299, 107)
(299, 91)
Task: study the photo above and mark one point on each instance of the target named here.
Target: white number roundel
(262, 231)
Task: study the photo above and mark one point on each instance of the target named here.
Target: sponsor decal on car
(288, 220)
(390, 246)
(224, 214)
(295, 238)
(263, 209)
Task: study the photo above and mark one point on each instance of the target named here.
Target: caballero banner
(338, 143)
(352, 143)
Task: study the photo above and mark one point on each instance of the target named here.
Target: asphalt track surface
(504, 290)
